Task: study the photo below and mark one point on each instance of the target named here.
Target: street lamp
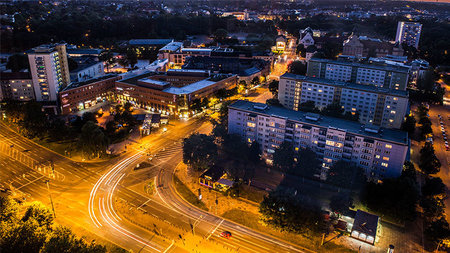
(50, 195)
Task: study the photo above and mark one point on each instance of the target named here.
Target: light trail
(107, 213)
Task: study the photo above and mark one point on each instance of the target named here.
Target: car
(447, 148)
(446, 142)
(225, 234)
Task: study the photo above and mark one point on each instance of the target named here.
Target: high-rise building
(375, 105)
(409, 33)
(49, 70)
(380, 152)
(380, 75)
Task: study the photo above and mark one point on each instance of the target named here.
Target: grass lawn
(187, 194)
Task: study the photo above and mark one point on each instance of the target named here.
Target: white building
(380, 152)
(49, 70)
(306, 37)
(375, 105)
(409, 33)
(367, 73)
(88, 68)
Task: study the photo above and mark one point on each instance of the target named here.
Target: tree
(409, 125)
(72, 64)
(8, 210)
(273, 87)
(131, 57)
(425, 129)
(428, 162)
(220, 35)
(289, 212)
(297, 67)
(344, 174)
(432, 207)
(341, 203)
(92, 140)
(254, 153)
(283, 158)
(333, 110)
(199, 151)
(394, 197)
(438, 230)
(35, 121)
(64, 240)
(308, 106)
(433, 186)
(18, 62)
(308, 164)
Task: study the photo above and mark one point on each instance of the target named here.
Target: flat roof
(172, 46)
(176, 90)
(355, 86)
(362, 65)
(353, 127)
(154, 82)
(150, 41)
(87, 82)
(197, 49)
(190, 87)
(88, 51)
(366, 223)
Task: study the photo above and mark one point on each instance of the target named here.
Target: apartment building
(375, 105)
(409, 33)
(379, 75)
(16, 86)
(49, 70)
(380, 152)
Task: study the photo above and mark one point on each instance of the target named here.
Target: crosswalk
(166, 153)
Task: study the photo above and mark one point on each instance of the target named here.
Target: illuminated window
(393, 112)
(395, 99)
(251, 124)
(331, 143)
(388, 146)
(384, 164)
(377, 156)
(296, 148)
(385, 158)
(249, 140)
(320, 90)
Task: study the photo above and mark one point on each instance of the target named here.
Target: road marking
(30, 182)
(173, 242)
(139, 207)
(212, 232)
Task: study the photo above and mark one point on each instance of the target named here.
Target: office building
(379, 75)
(16, 86)
(172, 92)
(81, 95)
(49, 70)
(380, 152)
(409, 33)
(375, 105)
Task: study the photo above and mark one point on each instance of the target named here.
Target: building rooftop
(84, 51)
(172, 46)
(156, 42)
(87, 82)
(366, 223)
(84, 62)
(138, 81)
(14, 75)
(355, 86)
(362, 65)
(354, 127)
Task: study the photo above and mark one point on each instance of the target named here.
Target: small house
(216, 179)
(365, 227)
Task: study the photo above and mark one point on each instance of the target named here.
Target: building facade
(16, 86)
(81, 95)
(49, 70)
(409, 33)
(172, 93)
(88, 67)
(380, 152)
(361, 46)
(377, 106)
(379, 75)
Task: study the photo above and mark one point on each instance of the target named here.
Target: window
(388, 146)
(384, 164)
(377, 156)
(385, 158)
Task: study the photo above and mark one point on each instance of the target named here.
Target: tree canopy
(199, 151)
